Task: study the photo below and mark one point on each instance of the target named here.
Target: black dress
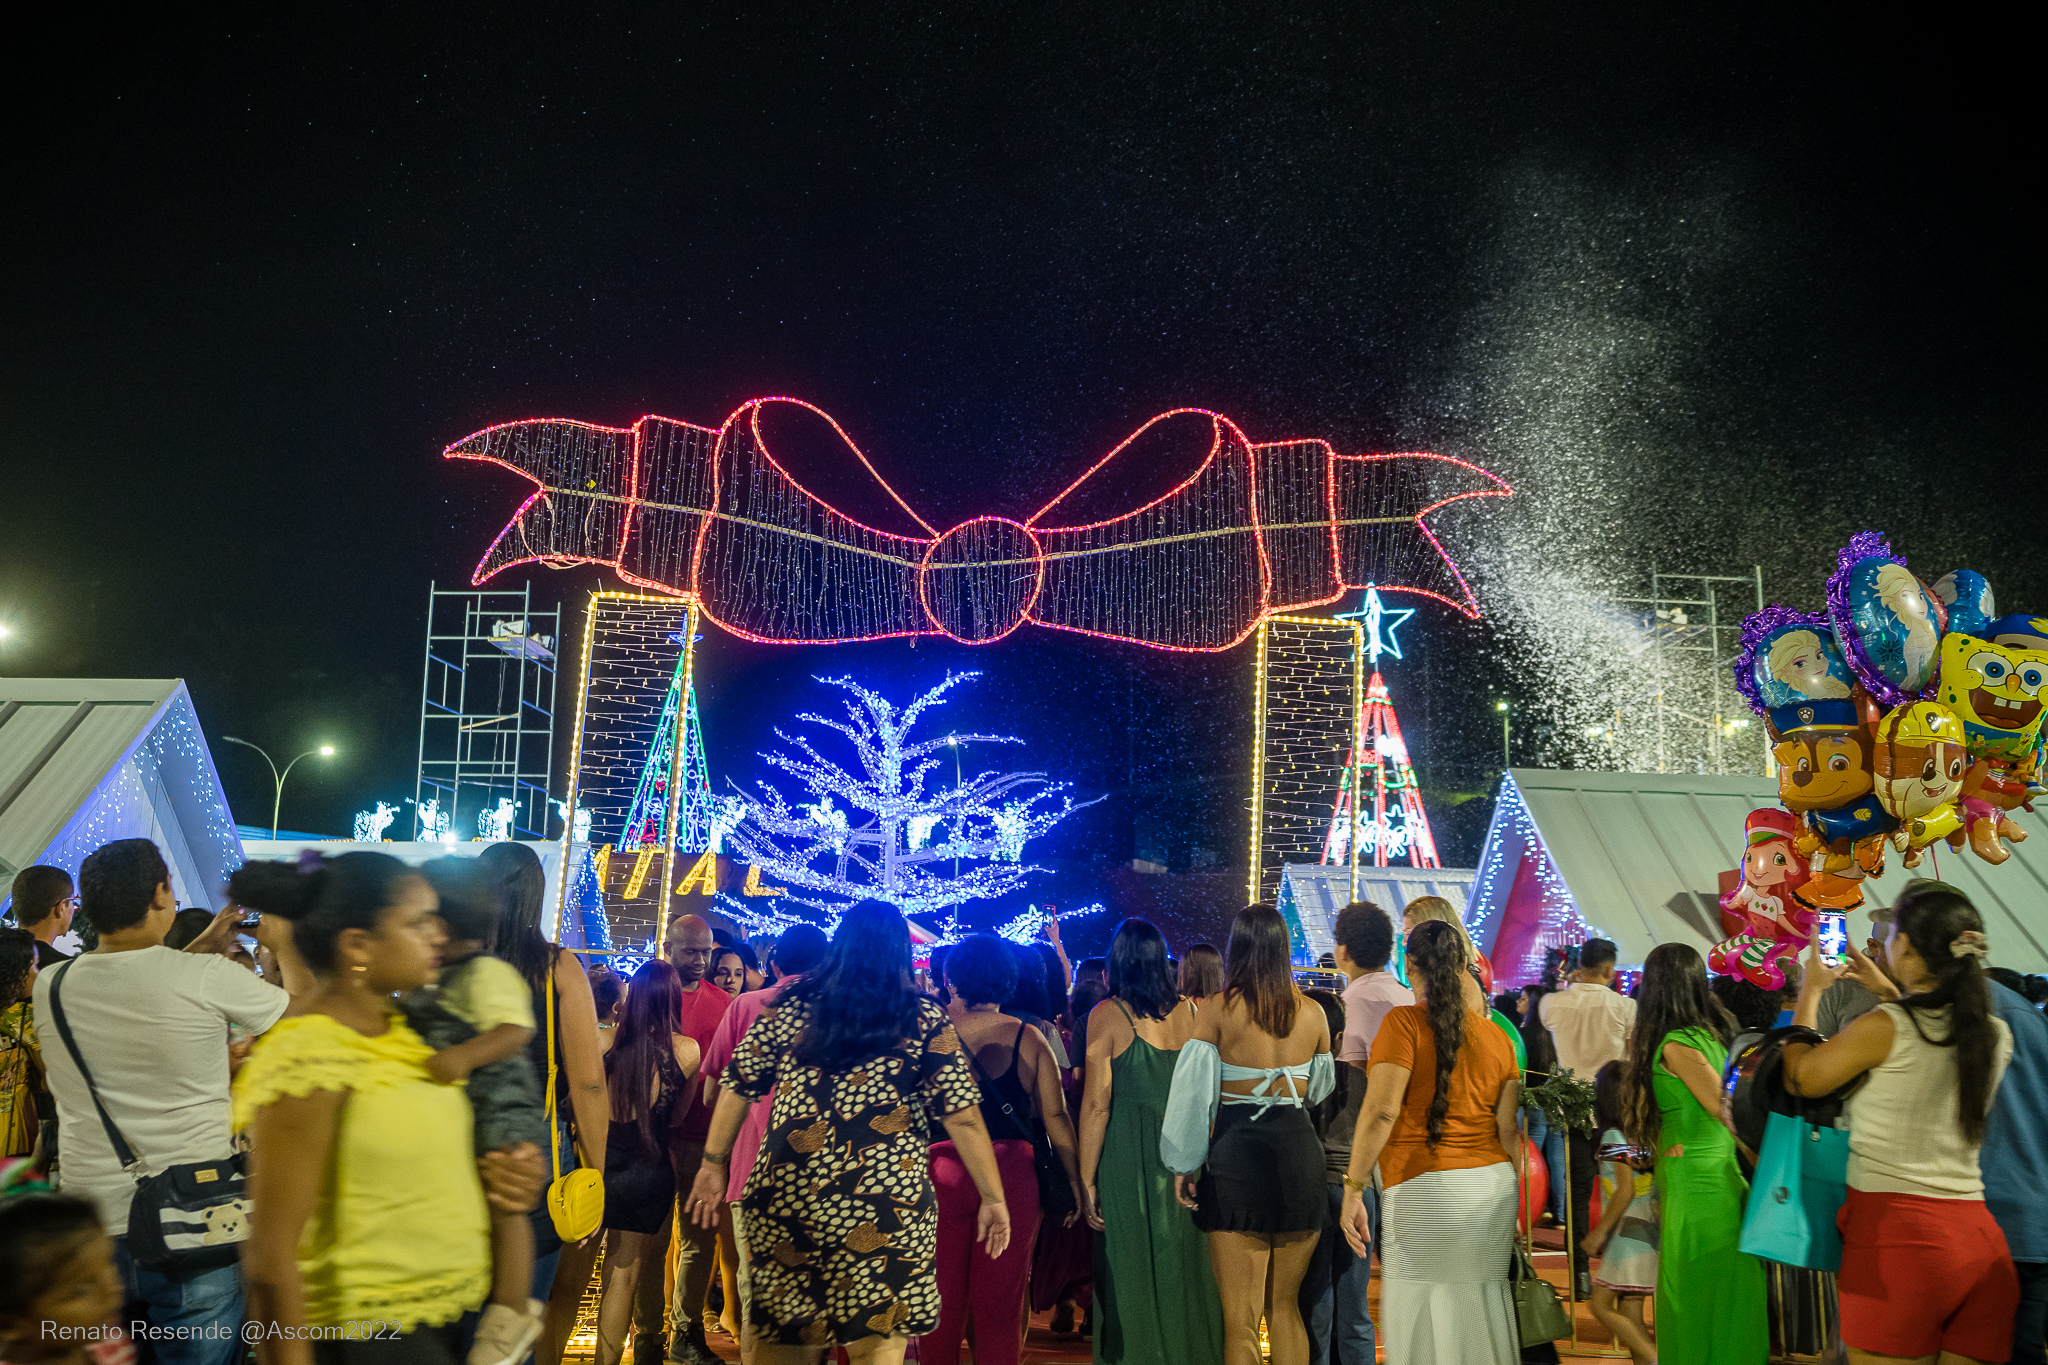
(639, 1178)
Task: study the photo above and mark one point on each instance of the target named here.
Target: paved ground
(1043, 1347)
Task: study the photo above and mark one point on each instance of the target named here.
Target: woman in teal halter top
(1155, 1295)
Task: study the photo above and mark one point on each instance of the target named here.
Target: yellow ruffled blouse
(401, 1232)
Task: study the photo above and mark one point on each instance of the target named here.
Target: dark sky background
(1712, 288)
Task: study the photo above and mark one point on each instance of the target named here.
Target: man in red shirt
(688, 949)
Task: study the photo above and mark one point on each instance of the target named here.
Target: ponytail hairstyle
(1436, 958)
(1673, 996)
(1948, 933)
(322, 897)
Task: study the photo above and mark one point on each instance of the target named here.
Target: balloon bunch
(1903, 715)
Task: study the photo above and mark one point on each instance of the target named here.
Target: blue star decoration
(1381, 621)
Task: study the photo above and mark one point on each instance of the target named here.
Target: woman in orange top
(1438, 1120)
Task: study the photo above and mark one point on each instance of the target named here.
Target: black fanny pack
(186, 1218)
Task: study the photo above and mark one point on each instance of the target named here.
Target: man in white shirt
(152, 1025)
(1334, 1289)
(1589, 1022)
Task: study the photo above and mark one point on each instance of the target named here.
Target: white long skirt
(1445, 1240)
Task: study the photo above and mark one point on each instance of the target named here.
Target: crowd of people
(407, 1128)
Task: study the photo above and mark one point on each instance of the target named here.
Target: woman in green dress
(1710, 1294)
(1155, 1294)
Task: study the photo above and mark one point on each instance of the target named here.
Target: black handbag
(185, 1218)
(1055, 1195)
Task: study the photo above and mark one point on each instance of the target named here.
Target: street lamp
(953, 743)
(277, 800)
(1502, 707)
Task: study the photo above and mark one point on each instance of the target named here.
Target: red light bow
(1255, 530)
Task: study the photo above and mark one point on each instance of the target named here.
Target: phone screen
(1834, 938)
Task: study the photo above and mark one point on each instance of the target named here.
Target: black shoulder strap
(122, 1151)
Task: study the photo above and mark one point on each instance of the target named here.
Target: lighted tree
(889, 827)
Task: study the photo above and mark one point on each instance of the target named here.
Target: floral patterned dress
(839, 1218)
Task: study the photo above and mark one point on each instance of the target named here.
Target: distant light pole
(277, 800)
(953, 743)
(1502, 707)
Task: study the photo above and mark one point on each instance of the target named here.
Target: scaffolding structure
(487, 716)
(1698, 722)
(1307, 705)
(637, 792)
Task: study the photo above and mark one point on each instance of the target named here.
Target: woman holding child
(367, 1204)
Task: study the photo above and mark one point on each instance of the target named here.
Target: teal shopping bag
(1801, 1182)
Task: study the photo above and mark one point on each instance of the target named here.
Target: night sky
(1711, 289)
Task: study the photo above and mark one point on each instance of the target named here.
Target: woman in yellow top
(367, 1203)
(21, 1057)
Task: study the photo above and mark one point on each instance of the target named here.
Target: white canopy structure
(1311, 894)
(1638, 858)
(87, 760)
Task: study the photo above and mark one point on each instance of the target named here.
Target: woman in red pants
(1020, 1098)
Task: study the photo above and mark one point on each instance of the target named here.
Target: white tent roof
(1637, 858)
(414, 852)
(87, 760)
(1317, 891)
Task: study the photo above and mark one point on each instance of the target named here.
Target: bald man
(688, 948)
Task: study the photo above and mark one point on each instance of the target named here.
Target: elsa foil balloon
(1888, 622)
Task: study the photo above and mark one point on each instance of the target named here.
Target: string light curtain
(636, 660)
(1307, 701)
(1257, 530)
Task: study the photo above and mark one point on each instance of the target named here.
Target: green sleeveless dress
(1155, 1295)
(1710, 1294)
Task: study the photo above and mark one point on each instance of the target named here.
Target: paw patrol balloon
(1968, 599)
(1888, 623)
(1921, 758)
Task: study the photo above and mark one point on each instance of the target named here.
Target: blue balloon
(1967, 596)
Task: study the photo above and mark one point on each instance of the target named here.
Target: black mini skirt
(1264, 1174)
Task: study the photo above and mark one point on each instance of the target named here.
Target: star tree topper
(1381, 621)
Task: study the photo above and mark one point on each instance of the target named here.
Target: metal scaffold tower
(1697, 721)
(487, 716)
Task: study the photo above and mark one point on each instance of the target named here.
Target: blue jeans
(1550, 1142)
(199, 1316)
(1333, 1291)
(547, 1246)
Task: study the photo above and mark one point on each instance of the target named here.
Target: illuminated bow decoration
(1255, 530)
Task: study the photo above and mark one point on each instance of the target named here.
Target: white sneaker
(504, 1336)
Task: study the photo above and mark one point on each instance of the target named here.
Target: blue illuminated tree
(885, 828)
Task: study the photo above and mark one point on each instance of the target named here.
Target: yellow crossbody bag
(575, 1200)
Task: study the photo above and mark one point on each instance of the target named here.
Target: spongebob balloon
(1994, 686)
(1921, 759)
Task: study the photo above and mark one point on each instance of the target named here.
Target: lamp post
(277, 800)
(953, 743)
(1502, 707)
